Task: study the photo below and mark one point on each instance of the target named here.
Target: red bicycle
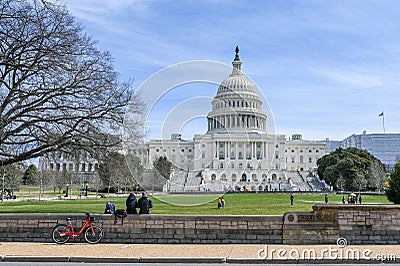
(63, 232)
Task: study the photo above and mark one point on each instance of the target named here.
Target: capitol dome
(237, 105)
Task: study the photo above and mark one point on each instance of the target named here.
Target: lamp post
(3, 186)
(280, 179)
(66, 191)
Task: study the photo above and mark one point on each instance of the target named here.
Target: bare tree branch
(57, 91)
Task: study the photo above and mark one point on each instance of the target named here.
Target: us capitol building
(237, 152)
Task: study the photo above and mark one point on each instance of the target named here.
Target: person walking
(326, 199)
(219, 202)
(343, 200)
(291, 199)
(131, 204)
(145, 204)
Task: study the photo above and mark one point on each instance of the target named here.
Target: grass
(235, 204)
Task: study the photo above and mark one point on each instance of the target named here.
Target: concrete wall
(359, 224)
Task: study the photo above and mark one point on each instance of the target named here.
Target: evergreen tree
(393, 191)
(31, 175)
(351, 169)
(163, 166)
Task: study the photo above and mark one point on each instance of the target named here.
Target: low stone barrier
(358, 224)
(151, 228)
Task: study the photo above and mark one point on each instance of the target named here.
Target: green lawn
(235, 204)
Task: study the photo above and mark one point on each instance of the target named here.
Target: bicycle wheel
(57, 235)
(96, 236)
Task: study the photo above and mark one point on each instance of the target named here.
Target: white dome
(238, 83)
(237, 105)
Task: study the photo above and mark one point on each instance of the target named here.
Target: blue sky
(327, 68)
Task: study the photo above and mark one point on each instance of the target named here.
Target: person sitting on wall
(145, 204)
(131, 204)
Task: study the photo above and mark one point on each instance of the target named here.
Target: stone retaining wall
(359, 224)
(151, 228)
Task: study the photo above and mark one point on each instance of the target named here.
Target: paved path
(174, 253)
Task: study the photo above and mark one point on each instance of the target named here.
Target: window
(221, 165)
(240, 165)
(316, 151)
(157, 150)
(203, 155)
(221, 155)
(223, 178)
(301, 159)
(292, 151)
(310, 160)
(292, 159)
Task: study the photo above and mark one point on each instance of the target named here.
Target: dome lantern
(237, 64)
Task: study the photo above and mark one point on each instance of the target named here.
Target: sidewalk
(190, 253)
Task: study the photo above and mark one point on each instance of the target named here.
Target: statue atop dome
(237, 53)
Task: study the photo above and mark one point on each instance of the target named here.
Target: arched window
(273, 177)
(244, 177)
(264, 177)
(213, 177)
(223, 178)
(233, 177)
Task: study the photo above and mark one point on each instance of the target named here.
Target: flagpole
(383, 123)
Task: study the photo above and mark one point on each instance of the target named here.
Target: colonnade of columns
(240, 150)
(231, 121)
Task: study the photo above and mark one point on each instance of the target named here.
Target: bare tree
(376, 175)
(57, 91)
